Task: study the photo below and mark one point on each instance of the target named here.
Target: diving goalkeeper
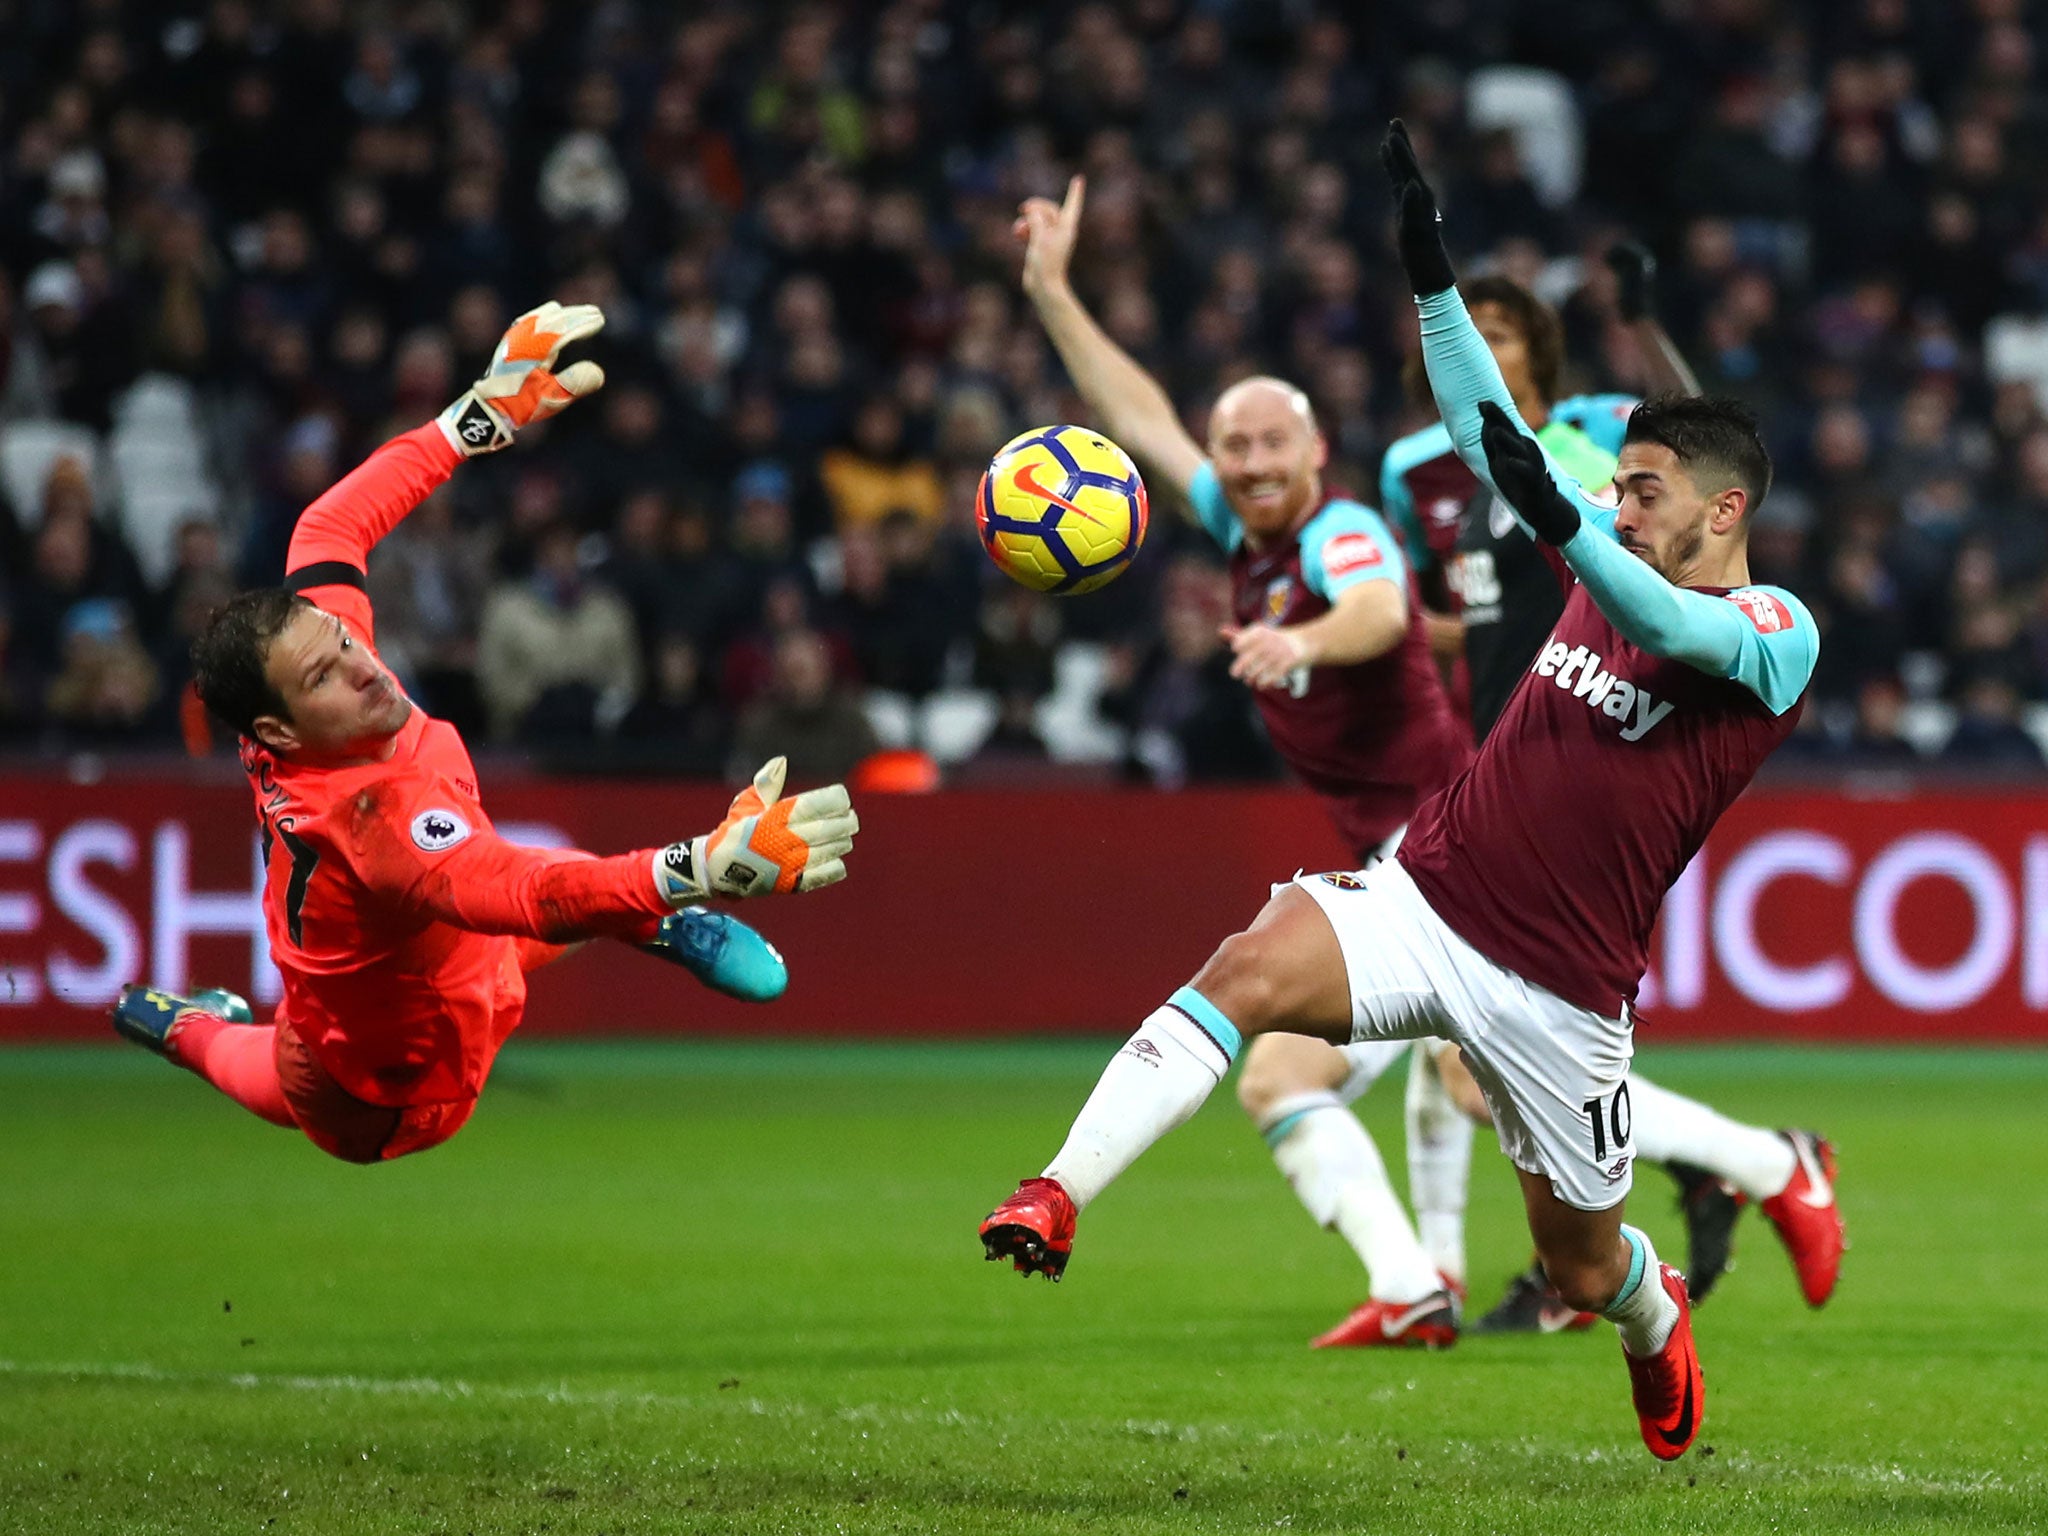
(402, 923)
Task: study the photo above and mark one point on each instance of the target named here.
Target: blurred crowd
(242, 243)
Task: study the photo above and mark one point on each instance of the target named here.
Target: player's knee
(1266, 1074)
(1239, 980)
(1584, 1282)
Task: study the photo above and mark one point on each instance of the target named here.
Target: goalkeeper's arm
(331, 545)
(477, 881)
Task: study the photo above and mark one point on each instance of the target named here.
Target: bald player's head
(1269, 454)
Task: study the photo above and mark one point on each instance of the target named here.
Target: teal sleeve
(1462, 374)
(1212, 508)
(1345, 545)
(1603, 418)
(1760, 637)
(1398, 506)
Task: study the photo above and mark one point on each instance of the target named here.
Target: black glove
(1420, 226)
(1520, 474)
(1635, 273)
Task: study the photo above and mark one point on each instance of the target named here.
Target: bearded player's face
(1664, 518)
(1268, 457)
(339, 700)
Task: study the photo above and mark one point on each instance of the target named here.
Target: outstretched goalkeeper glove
(764, 844)
(1520, 474)
(520, 386)
(1419, 227)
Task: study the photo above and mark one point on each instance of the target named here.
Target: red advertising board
(1809, 914)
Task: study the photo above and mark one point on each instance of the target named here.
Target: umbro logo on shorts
(1581, 673)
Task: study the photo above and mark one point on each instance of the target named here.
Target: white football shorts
(1555, 1075)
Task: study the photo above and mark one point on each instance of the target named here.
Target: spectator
(1988, 732)
(803, 716)
(557, 658)
(1189, 719)
(876, 473)
(429, 581)
(106, 687)
(677, 727)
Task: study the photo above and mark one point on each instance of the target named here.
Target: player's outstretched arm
(1761, 637)
(429, 862)
(1133, 408)
(1462, 371)
(1635, 276)
(331, 544)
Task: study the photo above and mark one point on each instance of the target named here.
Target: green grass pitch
(716, 1288)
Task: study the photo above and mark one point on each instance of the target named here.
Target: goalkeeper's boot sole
(723, 953)
(150, 1017)
(1710, 1206)
(1034, 1229)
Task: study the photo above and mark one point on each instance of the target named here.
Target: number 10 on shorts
(1611, 1121)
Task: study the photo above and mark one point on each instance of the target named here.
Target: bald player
(1328, 638)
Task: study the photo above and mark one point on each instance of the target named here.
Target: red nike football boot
(1670, 1389)
(1034, 1229)
(1807, 1218)
(1431, 1323)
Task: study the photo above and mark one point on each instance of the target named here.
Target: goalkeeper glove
(1522, 476)
(519, 386)
(1635, 278)
(1419, 226)
(764, 844)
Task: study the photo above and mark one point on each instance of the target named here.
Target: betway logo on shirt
(1580, 673)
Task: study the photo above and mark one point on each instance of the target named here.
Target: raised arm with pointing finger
(1130, 403)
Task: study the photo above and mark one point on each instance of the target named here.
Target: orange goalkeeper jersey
(395, 911)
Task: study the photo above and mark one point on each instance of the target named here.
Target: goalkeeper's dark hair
(1714, 437)
(1542, 335)
(231, 656)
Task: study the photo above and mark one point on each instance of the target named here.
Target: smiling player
(402, 924)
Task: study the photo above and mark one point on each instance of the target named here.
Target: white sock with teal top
(1159, 1078)
(1330, 1160)
(1642, 1310)
(1439, 1162)
(1672, 1128)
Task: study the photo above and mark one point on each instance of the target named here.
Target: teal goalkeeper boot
(147, 1016)
(723, 953)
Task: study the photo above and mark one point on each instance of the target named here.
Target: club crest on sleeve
(1351, 552)
(1345, 880)
(1765, 611)
(434, 831)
